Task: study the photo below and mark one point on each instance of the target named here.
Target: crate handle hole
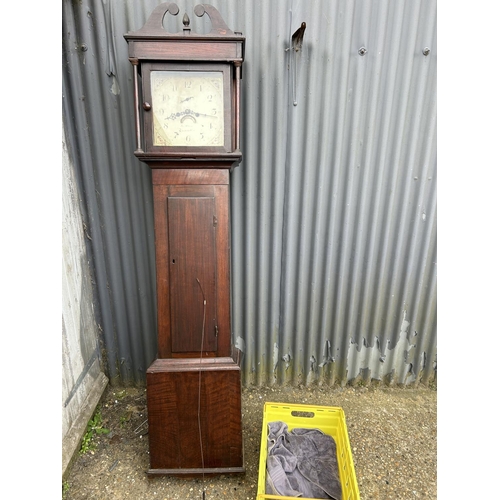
(304, 414)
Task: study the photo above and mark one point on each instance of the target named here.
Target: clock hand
(173, 116)
(202, 114)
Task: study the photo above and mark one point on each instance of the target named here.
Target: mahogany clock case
(194, 387)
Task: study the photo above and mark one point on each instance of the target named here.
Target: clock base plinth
(196, 473)
(189, 397)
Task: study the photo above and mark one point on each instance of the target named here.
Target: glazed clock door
(187, 107)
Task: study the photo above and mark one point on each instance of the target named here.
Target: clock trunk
(191, 209)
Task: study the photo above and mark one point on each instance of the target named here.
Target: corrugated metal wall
(333, 206)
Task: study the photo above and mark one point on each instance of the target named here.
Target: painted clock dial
(188, 108)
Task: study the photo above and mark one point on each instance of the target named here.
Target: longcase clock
(187, 119)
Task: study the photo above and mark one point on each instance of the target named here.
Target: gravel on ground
(392, 433)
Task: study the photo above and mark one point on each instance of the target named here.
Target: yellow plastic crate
(330, 420)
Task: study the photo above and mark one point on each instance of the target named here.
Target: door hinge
(215, 220)
(216, 331)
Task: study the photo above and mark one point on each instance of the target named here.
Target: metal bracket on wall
(295, 47)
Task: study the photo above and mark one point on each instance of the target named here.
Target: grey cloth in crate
(302, 462)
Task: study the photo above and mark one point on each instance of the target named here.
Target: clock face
(188, 108)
